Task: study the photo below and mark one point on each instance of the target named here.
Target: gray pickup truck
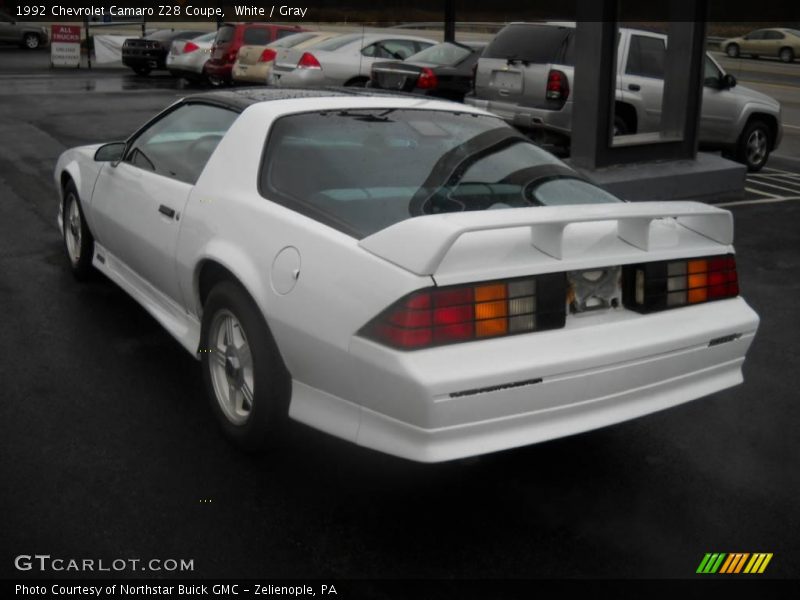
(25, 34)
(525, 76)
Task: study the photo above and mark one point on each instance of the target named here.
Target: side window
(179, 144)
(399, 49)
(646, 57)
(774, 35)
(755, 35)
(256, 36)
(711, 74)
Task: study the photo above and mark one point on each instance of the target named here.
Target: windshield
(446, 54)
(362, 170)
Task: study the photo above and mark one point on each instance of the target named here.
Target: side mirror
(110, 152)
(728, 81)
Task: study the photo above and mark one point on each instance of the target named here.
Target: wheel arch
(211, 271)
(770, 120)
(628, 112)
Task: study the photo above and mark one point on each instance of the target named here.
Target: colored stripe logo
(734, 563)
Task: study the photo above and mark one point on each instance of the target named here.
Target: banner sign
(65, 45)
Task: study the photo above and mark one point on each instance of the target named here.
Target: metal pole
(449, 20)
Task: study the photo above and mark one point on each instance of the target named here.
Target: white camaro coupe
(410, 275)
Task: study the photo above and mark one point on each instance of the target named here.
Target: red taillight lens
(427, 79)
(308, 61)
(669, 284)
(557, 86)
(190, 47)
(437, 316)
(268, 55)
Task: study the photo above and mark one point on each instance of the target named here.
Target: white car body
(345, 64)
(181, 63)
(317, 287)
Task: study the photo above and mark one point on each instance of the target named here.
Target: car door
(753, 42)
(137, 203)
(720, 108)
(773, 42)
(642, 81)
(8, 31)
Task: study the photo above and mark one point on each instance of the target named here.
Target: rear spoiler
(420, 244)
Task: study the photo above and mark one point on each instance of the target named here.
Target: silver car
(26, 34)
(344, 60)
(526, 76)
(187, 58)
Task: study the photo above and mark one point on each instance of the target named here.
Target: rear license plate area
(594, 290)
(507, 80)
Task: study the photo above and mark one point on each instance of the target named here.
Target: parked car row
(524, 75)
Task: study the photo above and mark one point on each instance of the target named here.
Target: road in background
(109, 450)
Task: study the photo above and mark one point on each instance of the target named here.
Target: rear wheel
(754, 145)
(786, 55)
(245, 379)
(31, 41)
(620, 126)
(78, 240)
(732, 50)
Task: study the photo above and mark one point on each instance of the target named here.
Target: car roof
(240, 98)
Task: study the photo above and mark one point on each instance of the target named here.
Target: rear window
(225, 34)
(338, 42)
(360, 171)
(531, 43)
(446, 54)
(256, 36)
(292, 40)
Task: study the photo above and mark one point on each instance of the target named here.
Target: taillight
(308, 61)
(190, 47)
(557, 86)
(427, 79)
(448, 315)
(669, 284)
(268, 55)
(231, 56)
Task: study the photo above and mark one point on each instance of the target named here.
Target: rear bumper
(482, 397)
(527, 117)
(151, 61)
(219, 70)
(298, 78)
(256, 73)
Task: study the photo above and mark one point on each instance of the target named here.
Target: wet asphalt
(107, 448)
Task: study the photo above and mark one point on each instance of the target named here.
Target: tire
(246, 381)
(78, 240)
(754, 145)
(31, 41)
(620, 126)
(732, 50)
(357, 82)
(143, 71)
(786, 55)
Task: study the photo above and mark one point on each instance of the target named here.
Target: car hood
(754, 96)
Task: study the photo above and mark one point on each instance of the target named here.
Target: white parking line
(767, 194)
(759, 201)
(777, 187)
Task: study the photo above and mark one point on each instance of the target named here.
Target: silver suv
(525, 76)
(28, 35)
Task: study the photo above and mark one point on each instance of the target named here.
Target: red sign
(68, 34)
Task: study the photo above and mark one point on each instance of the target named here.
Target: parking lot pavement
(108, 450)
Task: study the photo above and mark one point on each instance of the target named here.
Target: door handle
(634, 87)
(167, 211)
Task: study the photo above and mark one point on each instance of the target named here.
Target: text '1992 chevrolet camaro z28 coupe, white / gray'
(411, 275)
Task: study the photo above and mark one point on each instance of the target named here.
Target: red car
(231, 37)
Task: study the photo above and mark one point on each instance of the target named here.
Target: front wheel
(732, 50)
(31, 41)
(245, 378)
(754, 145)
(78, 240)
(786, 55)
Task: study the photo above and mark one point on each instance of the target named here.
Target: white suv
(525, 76)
